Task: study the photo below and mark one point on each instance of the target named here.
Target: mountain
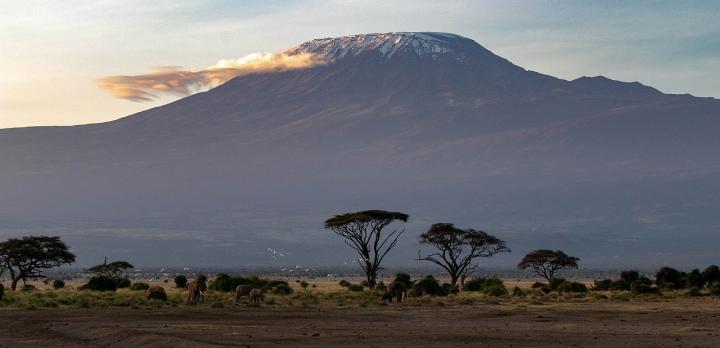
(431, 124)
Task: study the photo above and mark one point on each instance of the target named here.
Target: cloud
(172, 80)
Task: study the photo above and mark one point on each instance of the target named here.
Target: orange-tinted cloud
(177, 81)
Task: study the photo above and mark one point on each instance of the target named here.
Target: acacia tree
(458, 249)
(363, 231)
(546, 263)
(28, 257)
(114, 270)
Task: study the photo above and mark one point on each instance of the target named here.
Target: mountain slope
(429, 123)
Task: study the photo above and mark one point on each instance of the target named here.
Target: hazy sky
(52, 52)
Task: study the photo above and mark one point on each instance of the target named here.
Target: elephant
(256, 296)
(156, 293)
(395, 290)
(196, 290)
(242, 290)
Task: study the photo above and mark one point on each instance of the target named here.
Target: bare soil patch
(676, 323)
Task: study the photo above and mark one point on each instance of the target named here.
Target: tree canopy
(113, 270)
(457, 249)
(546, 262)
(28, 257)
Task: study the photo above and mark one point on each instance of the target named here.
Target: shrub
(364, 283)
(344, 283)
(641, 286)
(28, 287)
(619, 285)
(139, 286)
(355, 287)
(693, 292)
(517, 292)
(429, 286)
(711, 274)
(694, 279)
(226, 283)
(58, 284)
(495, 290)
(669, 278)
(100, 283)
(555, 283)
(181, 282)
(572, 287)
(480, 284)
(630, 276)
(542, 287)
(405, 279)
(602, 285)
(123, 283)
(282, 289)
(714, 288)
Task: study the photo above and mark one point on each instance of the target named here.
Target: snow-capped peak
(386, 44)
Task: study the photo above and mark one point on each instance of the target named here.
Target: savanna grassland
(326, 314)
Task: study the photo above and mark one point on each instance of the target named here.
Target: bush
(181, 282)
(602, 285)
(711, 274)
(344, 283)
(429, 286)
(670, 278)
(495, 290)
(517, 292)
(572, 287)
(405, 279)
(714, 288)
(100, 283)
(542, 286)
(28, 287)
(355, 287)
(226, 283)
(139, 286)
(693, 292)
(123, 283)
(556, 282)
(282, 289)
(629, 277)
(480, 284)
(58, 284)
(364, 283)
(694, 279)
(619, 285)
(644, 287)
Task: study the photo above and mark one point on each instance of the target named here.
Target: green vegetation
(227, 283)
(58, 284)
(139, 286)
(181, 282)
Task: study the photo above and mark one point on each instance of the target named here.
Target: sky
(53, 53)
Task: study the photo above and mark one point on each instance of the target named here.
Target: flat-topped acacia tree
(546, 263)
(457, 249)
(28, 257)
(363, 231)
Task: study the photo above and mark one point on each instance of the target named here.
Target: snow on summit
(386, 44)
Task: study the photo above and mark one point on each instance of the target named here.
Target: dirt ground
(679, 323)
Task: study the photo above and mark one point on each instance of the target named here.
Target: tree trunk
(14, 282)
(371, 277)
(453, 280)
